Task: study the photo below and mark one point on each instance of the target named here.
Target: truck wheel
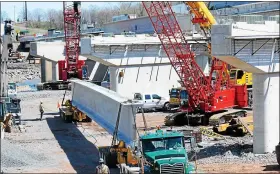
(111, 160)
(88, 119)
(239, 131)
(138, 110)
(215, 129)
(277, 151)
(166, 106)
(229, 130)
(69, 119)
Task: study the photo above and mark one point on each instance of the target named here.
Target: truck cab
(165, 152)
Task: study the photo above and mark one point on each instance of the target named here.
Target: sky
(12, 8)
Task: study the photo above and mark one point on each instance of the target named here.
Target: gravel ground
(62, 147)
(48, 146)
(234, 150)
(18, 72)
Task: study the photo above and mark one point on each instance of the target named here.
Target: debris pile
(19, 72)
(232, 149)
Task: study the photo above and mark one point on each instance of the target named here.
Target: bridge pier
(266, 112)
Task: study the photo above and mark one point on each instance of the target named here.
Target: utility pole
(25, 15)
(1, 40)
(14, 13)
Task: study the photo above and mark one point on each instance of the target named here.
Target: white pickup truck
(152, 101)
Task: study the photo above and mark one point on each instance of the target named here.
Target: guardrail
(57, 35)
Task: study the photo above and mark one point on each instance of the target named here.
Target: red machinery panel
(61, 67)
(72, 17)
(241, 93)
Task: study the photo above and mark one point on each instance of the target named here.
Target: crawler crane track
(213, 119)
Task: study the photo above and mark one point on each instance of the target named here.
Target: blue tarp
(32, 84)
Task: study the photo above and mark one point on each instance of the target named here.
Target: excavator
(208, 100)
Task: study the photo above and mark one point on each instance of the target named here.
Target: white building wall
(264, 57)
(157, 79)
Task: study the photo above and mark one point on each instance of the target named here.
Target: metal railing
(250, 19)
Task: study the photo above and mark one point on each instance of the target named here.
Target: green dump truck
(165, 152)
(160, 152)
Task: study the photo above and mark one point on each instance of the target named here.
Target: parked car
(152, 101)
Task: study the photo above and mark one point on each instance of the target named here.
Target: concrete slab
(238, 63)
(102, 105)
(52, 51)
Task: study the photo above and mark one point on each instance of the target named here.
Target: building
(143, 25)
(138, 64)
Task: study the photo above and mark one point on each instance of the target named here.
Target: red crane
(204, 97)
(71, 66)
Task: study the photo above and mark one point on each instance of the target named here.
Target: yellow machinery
(70, 113)
(118, 154)
(238, 76)
(175, 97)
(236, 126)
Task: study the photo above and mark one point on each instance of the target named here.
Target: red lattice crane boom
(71, 66)
(203, 97)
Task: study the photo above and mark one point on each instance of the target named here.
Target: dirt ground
(239, 168)
(69, 148)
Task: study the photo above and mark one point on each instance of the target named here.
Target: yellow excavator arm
(202, 15)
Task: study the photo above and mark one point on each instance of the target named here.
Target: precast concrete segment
(102, 105)
(266, 112)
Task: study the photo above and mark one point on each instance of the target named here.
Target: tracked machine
(71, 67)
(206, 98)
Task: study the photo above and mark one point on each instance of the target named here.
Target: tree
(51, 17)
(58, 20)
(38, 15)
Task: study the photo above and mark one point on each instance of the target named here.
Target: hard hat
(101, 160)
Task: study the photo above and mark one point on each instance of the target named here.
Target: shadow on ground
(82, 154)
(52, 113)
(272, 168)
(36, 119)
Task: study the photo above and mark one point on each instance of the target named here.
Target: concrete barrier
(102, 105)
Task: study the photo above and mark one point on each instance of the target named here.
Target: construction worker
(102, 168)
(41, 109)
